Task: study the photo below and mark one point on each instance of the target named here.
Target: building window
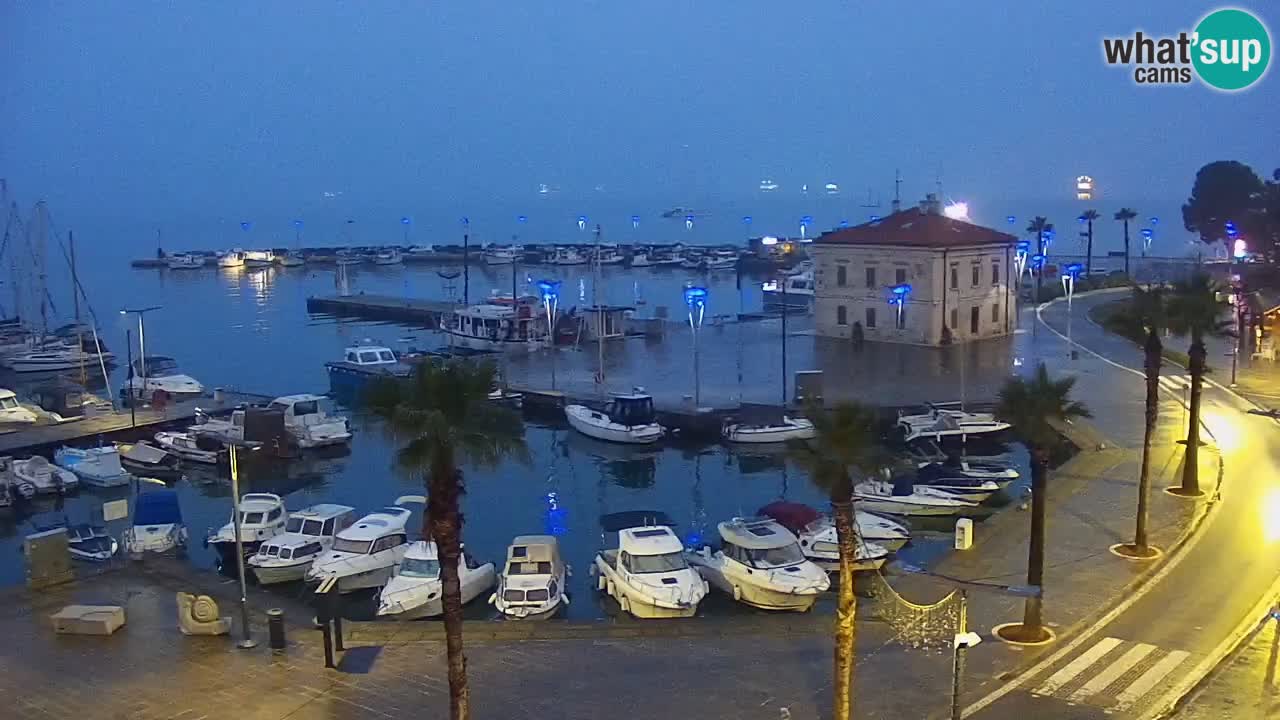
(955, 319)
(995, 313)
(841, 275)
(973, 320)
(842, 315)
(976, 273)
(871, 278)
(955, 277)
(899, 276)
(871, 317)
(995, 274)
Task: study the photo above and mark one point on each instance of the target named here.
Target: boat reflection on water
(313, 472)
(627, 466)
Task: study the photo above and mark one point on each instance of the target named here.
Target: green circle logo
(1232, 49)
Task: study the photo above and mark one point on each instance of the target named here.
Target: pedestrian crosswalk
(1113, 674)
(1177, 384)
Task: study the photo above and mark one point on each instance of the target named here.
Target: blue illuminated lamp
(582, 222)
(844, 223)
(696, 298)
(1074, 269)
(1155, 220)
(404, 220)
(1011, 219)
(1231, 229)
(746, 220)
(1023, 246)
(1146, 233)
(900, 290)
(898, 298)
(875, 218)
(549, 289)
(1037, 261)
(522, 219)
(246, 225)
(635, 221)
(297, 224)
(688, 222)
(466, 221)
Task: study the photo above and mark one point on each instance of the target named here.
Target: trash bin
(275, 628)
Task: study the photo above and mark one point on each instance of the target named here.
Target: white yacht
(760, 563)
(945, 421)
(389, 256)
(648, 573)
(416, 591)
(188, 447)
(291, 259)
(98, 466)
(259, 258)
(974, 490)
(157, 372)
(67, 356)
(45, 477)
(307, 419)
(642, 258)
(628, 418)
(768, 185)
(567, 256)
(498, 324)
(262, 517)
(720, 260)
(12, 411)
(307, 535)
(817, 532)
(831, 188)
(757, 424)
(347, 258)
(500, 255)
(998, 473)
(790, 290)
(157, 523)
(366, 554)
(185, 261)
(532, 583)
(608, 255)
(903, 498)
(231, 259)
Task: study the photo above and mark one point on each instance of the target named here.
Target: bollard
(275, 628)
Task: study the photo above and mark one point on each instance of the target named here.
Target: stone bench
(88, 619)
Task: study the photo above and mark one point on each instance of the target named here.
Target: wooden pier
(382, 307)
(119, 425)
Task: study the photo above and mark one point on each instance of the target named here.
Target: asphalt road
(1147, 652)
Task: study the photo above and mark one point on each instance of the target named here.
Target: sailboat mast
(595, 300)
(784, 342)
(75, 303)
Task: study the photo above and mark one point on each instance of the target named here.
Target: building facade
(915, 277)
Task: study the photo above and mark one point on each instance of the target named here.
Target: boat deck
(118, 425)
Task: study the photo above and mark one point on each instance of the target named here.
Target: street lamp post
(696, 299)
(1070, 274)
(1037, 271)
(1238, 295)
(466, 261)
(142, 345)
(898, 298)
(128, 351)
(246, 639)
(550, 291)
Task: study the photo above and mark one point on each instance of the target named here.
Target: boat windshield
(420, 568)
(251, 518)
(774, 557)
(157, 367)
(656, 563)
(303, 526)
(8, 403)
(528, 568)
(356, 547)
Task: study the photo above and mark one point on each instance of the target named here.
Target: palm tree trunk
(445, 519)
(1191, 461)
(846, 607)
(1126, 248)
(1152, 364)
(1088, 253)
(1032, 620)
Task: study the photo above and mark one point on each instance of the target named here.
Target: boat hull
(753, 594)
(769, 434)
(475, 343)
(580, 419)
(277, 574)
(636, 603)
(897, 507)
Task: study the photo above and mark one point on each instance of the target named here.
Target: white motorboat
(307, 535)
(67, 356)
(262, 517)
(231, 259)
(768, 185)
(766, 424)
(415, 590)
(91, 543)
(641, 258)
(188, 447)
(307, 419)
(12, 487)
(942, 422)
(608, 255)
(12, 411)
(791, 290)
(389, 256)
(628, 418)
(720, 260)
(422, 250)
(185, 261)
(819, 542)
(667, 258)
(567, 256)
(259, 258)
(366, 554)
(532, 583)
(998, 473)
(499, 324)
(291, 259)
(45, 477)
(157, 523)
(903, 498)
(500, 255)
(760, 563)
(146, 460)
(347, 258)
(972, 489)
(98, 466)
(157, 372)
(648, 573)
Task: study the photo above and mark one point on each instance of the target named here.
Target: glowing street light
(582, 222)
(635, 222)
(1070, 274)
(695, 298)
(1239, 249)
(405, 221)
(297, 231)
(688, 222)
(804, 227)
(1020, 254)
(898, 297)
(1147, 236)
(550, 291)
(1011, 219)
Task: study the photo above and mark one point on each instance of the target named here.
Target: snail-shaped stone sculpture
(198, 615)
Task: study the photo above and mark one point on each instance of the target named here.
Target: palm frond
(1029, 404)
(846, 437)
(1193, 308)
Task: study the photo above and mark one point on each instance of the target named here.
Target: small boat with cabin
(157, 523)
(387, 257)
(45, 477)
(65, 356)
(904, 498)
(972, 489)
(12, 411)
(499, 325)
(363, 362)
(813, 527)
(348, 258)
(262, 517)
(144, 459)
(257, 259)
(793, 291)
(416, 590)
(291, 259)
(647, 573)
(532, 583)
(999, 473)
(944, 422)
(756, 424)
(366, 554)
(565, 255)
(628, 418)
(307, 419)
(307, 535)
(185, 261)
(97, 466)
(759, 563)
(496, 255)
(231, 259)
(190, 446)
(159, 372)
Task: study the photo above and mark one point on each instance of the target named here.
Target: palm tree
(1041, 227)
(1194, 310)
(846, 438)
(1125, 215)
(442, 418)
(1146, 309)
(1088, 216)
(1029, 405)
